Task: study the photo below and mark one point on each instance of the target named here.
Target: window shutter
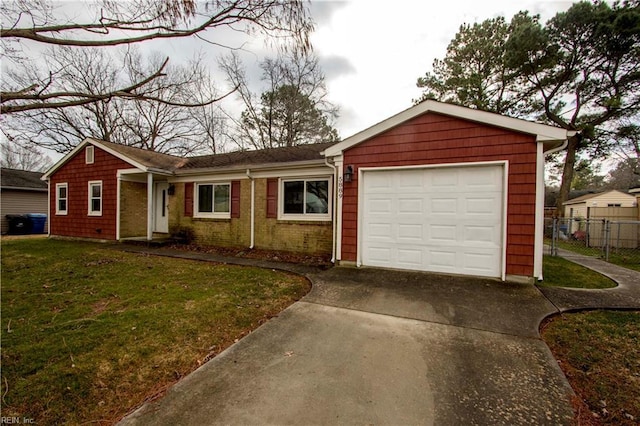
(235, 198)
(188, 199)
(272, 198)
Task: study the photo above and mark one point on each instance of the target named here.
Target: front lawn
(600, 355)
(559, 272)
(90, 332)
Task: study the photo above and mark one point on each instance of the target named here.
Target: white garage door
(434, 219)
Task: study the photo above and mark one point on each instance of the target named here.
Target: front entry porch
(143, 206)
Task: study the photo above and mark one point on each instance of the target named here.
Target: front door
(161, 216)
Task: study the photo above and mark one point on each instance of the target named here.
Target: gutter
(333, 209)
(253, 205)
(257, 167)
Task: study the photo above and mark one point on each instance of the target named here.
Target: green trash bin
(38, 221)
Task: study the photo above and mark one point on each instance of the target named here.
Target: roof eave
(253, 167)
(23, 188)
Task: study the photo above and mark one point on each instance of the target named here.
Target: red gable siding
(436, 139)
(77, 174)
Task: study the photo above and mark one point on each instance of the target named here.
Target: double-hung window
(95, 198)
(305, 199)
(213, 200)
(62, 198)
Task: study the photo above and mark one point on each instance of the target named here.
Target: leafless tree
(144, 123)
(293, 107)
(23, 157)
(124, 23)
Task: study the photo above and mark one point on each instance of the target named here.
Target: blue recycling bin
(38, 221)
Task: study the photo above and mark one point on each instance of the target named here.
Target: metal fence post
(607, 238)
(554, 237)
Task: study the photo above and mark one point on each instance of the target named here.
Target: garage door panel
(410, 205)
(410, 233)
(410, 258)
(381, 232)
(379, 256)
(444, 205)
(442, 220)
(480, 234)
(481, 205)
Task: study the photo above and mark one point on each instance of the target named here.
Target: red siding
(77, 174)
(436, 139)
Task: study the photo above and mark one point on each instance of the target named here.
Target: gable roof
(22, 179)
(586, 197)
(551, 136)
(148, 159)
(151, 161)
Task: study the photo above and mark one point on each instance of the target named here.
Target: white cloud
(390, 44)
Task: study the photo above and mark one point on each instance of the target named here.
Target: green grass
(89, 332)
(600, 355)
(559, 272)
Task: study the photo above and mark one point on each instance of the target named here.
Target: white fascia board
(543, 132)
(81, 145)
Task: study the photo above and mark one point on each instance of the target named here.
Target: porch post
(149, 206)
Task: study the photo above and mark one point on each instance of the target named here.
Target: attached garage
(438, 219)
(447, 189)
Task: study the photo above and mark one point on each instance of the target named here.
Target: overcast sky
(372, 51)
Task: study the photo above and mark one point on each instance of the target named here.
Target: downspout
(539, 243)
(253, 204)
(49, 206)
(333, 209)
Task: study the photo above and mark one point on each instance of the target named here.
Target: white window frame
(89, 154)
(213, 214)
(59, 211)
(90, 197)
(317, 217)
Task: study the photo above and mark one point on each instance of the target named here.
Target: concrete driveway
(383, 347)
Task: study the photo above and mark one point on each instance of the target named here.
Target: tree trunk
(567, 174)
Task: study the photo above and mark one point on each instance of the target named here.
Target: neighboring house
(21, 192)
(438, 188)
(607, 204)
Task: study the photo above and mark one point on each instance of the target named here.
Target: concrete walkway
(370, 346)
(625, 296)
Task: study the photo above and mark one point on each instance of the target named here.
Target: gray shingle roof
(146, 157)
(12, 178)
(239, 159)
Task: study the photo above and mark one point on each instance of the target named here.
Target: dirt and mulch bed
(322, 261)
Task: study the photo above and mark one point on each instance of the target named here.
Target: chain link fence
(616, 241)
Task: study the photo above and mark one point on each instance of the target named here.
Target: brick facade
(269, 234)
(133, 209)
